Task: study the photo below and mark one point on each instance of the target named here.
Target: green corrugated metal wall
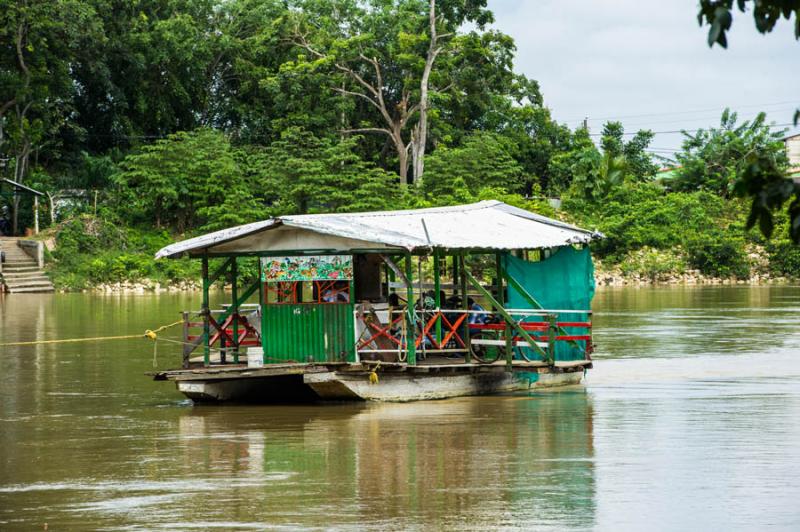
(309, 332)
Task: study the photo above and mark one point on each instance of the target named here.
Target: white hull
(390, 387)
(404, 387)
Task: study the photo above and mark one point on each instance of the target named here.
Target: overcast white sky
(620, 59)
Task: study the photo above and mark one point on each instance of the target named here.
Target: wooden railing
(229, 331)
(484, 335)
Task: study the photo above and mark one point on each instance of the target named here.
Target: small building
(792, 143)
(392, 305)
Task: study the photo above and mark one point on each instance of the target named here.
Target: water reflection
(477, 462)
(688, 421)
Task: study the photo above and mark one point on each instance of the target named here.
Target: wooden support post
(437, 288)
(552, 331)
(411, 329)
(36, 214)
(535, 304)
(206, 314)
(509, 319)
(187, 348)
(262, 303)
(235, 305)
(501, 298)
(222, 269)
(455, 273)
(464, 304)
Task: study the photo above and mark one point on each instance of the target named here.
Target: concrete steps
(20, 272)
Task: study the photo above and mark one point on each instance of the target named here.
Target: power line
(703, 118)
(775, 126)
(672, 113)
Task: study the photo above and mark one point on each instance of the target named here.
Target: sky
(647, 64)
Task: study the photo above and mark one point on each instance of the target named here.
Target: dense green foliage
(699, 229)
(92, 250)
(712, 159)
(152, 120)
(761, 178)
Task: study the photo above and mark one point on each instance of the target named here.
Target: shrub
(644, 216)
(654, 263)
(719, 254)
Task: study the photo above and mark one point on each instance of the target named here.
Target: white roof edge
(516, 211)
(484, 204)
(358, 222)
(217, 237)
(292, 221)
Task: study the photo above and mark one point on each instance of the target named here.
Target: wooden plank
(522, 332)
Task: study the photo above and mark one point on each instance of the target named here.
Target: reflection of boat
(331, 322)
(476, 459)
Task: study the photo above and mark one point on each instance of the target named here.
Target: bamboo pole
(206, 314)
(501, 298)
(437, 287)
(262, 301)
(411, 334)
(235, 302)
(187, 349)
(464, 304)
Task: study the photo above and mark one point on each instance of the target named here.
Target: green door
(309, 332)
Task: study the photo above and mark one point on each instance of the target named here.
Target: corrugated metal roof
(483, 225)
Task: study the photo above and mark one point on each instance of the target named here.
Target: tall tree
(384, 53)
(39, 40)
(187, 180)
(152, 72)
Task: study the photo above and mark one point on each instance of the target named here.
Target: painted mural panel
(307, 268)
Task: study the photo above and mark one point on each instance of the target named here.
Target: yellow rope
(152, 334)
(373, 376)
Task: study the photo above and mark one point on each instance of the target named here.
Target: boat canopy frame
(454, 235)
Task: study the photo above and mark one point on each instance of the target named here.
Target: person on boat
(395, 310)
(479, 316)
(329, 295)
(339, 292)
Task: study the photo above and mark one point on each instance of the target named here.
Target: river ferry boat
(389, 306)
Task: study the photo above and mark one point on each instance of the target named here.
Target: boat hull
(345, 384)
(405, 388)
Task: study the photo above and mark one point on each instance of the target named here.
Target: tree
(594, 174)
(718, 14)
(307, 174)
(150, 72)
(484, 160)
(384, 54)
(761, 178)
(189, 180)
(638, 164)
(713, 159)
(39, 39)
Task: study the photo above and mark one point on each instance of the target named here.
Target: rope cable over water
(151, 334)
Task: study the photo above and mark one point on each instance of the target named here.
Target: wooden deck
(430, 365)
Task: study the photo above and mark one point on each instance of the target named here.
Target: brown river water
(689, 421)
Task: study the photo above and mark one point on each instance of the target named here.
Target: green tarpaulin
(563, 281)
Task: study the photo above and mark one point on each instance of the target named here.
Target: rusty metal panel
(309, 332)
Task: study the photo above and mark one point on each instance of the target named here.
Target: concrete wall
(33, 249)
(793, 150)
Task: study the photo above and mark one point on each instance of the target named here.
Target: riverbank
(604, 279)
(89, 254)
